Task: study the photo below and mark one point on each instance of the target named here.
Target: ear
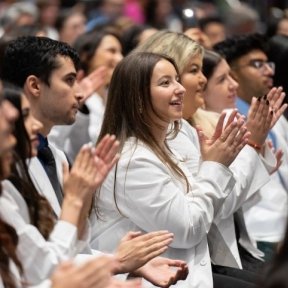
(32, 86)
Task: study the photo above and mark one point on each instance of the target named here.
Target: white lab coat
(266, 217)
(250, 175)
(38, 256)
(151, 198)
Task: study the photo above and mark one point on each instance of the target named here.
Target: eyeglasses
(260, 65)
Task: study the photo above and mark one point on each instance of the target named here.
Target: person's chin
(70, 120)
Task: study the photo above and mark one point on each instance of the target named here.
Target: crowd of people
(142, 144)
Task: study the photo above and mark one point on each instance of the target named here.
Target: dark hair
(33, 55)
(40, 211)
(203, 22)
(234, 48)
(129, 92)
(211, 60)
(273, 25)
(278, 53)
(8, 244)
(62, 17)
(130, 37)
(87, 44)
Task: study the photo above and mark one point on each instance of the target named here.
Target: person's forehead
(256, 54)
(64, 63)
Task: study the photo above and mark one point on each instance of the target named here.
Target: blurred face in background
(108, 54)
(194, 82)
(221, 89)
(72, 28)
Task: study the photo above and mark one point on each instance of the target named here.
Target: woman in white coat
(49, 247)
(248, 169)
(150, 187)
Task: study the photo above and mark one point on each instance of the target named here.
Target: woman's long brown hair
(40, 210)
(129, 106)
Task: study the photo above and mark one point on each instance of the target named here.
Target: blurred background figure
(70, 24)
(214, 28)
(18, 14)
(278, 53)
(48, 13)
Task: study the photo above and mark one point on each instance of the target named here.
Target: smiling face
(221, 89)
(166, 92)
(32, 125)
(108, 54)
(194, 82)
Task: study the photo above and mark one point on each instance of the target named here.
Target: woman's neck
(160, 133)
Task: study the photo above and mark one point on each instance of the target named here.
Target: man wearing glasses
(250, 67)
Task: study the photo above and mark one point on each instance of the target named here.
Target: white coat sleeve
(250, 175)
(38, 256)
(161, 201)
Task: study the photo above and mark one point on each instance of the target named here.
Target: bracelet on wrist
(254, 145)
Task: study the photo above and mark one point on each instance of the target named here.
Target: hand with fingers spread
(89, 170)
(225, 144)
(276, 97)
(106, 156)
(80, 181)
(259, 120)
(93, 274)
(161, 271)
(91, 83)
(136, 249)
(79, 186)
(278, 155)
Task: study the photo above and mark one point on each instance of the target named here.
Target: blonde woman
(248, 169)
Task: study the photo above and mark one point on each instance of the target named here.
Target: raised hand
(80, 181)
(161, 271)
(92, 82)
(275, 97)
(105, 155)
(91, 166)
(93, 274)
(136, 249)
(225, 144)
(259, 120)
(89, 170)
(278, 155)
